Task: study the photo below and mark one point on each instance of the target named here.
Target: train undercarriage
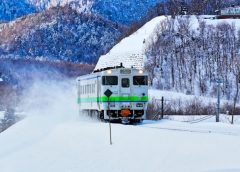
(117, 116)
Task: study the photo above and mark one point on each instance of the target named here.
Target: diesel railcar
(118, 94)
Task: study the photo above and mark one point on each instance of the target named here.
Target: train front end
(129, 95)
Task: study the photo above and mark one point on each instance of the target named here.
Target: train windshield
(140, 80)
(110, 80)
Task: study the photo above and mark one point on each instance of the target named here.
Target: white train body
(128, 101)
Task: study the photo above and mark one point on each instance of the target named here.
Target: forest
(193, 60)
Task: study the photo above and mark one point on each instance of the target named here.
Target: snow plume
(50, 99)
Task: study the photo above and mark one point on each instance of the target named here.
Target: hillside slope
(59, 33)
(131, 50)
(192, 53)
(10, 10)
(113, 10)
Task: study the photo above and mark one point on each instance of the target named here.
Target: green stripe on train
(114, 99)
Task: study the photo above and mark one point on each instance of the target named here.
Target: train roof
(114, 70)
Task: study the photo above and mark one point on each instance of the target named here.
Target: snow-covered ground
(53, 137)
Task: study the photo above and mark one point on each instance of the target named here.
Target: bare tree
(183, 59)
(236, 72)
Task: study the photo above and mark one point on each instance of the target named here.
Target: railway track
(181, 129)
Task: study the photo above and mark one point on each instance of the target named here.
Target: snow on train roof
(130, 51)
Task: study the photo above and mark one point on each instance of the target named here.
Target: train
(114, 94)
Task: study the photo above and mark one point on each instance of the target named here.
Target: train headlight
(140, 71)
(109, 71)
(139, 104)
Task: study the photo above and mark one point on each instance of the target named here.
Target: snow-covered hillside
(53, 137)
(130, 51)
(65, 35)
(80, 5)
(113, 10)
(9, 10)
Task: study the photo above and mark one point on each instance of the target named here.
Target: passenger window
(140, 80)
(110, 80)
(125, 82)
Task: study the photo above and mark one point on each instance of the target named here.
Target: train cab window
(110, 80)
(125, 82)
(140, 80)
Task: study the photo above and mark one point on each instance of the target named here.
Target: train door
(125, 91)
(125, 86)
(125, 96)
